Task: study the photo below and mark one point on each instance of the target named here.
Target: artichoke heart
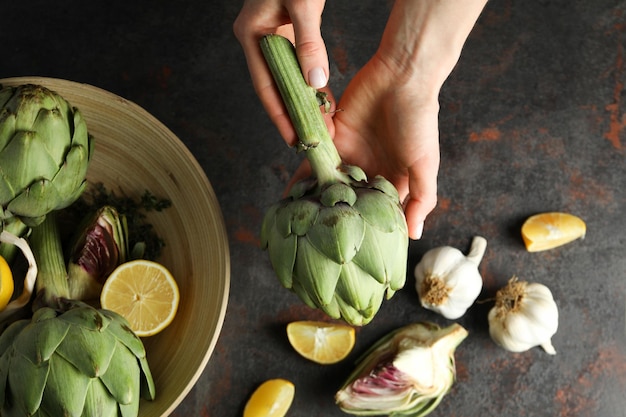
(338, 241)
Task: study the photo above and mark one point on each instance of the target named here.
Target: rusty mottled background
(533, 119)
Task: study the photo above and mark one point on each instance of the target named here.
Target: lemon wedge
(550, 230)
(271, 399)
(321, 342)
(6, 283)
(144, 293)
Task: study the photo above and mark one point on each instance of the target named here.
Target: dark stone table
(533, 119)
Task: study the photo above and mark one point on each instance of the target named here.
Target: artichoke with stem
(45, 150)
(338, 241)
(406, 373)
(69, 359)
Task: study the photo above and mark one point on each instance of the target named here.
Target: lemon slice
(144, 293)
(549, 230)
(6, 283)
(271, 399)
(321, 342)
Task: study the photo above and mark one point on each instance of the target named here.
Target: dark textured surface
(533, 119)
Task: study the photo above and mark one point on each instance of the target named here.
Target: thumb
(422, 197)
(310, 47)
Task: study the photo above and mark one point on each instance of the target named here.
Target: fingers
(255, 20)
(297, 20)
(306, 16)
(422, 197)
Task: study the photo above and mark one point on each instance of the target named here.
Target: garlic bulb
(449, 282)
(525, 316)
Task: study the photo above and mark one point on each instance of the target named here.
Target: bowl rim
(222, 237)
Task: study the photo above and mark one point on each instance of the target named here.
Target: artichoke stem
(52, 282)
(304, 110)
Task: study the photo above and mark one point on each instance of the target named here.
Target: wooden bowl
(134, 152)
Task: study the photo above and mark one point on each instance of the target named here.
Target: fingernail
(419, 230)
(317, 78)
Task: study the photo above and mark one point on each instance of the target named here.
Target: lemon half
(145, 293)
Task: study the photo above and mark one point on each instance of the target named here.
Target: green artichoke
(80, 362)
(338, 241)
(45, 150)
(69, 359)
(405, 374)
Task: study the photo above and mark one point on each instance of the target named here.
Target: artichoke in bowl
(45, 150)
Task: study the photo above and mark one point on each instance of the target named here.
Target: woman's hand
(297, 20)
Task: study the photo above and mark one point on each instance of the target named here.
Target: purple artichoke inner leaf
(97, 253)
(98, 250)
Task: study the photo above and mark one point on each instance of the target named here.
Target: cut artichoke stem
(303, 106)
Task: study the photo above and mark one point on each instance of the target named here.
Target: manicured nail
(419, 230)
(317, 78)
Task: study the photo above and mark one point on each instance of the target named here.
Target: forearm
(423, 39)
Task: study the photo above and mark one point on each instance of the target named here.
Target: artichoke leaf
(296, 217)
(35, 202)
(304, 296)
(338, 233)
(147, 387)
(120, 329)
(359, 287)
(90, 351)
(268, 224)
(382, 256)
(317, 274)
(5, 364)
(355, 172)
(379, 210)
(98, 401)
(352, 315)
(80, 133)
(83, 315)
(397, 271)
(50, 124)
(39, 340)
(122, 376)
(28, 385)
(333, 309)
(338, 193)
(29, 159)
(8, 336)
(70, 178)
(302, 187)
(382, 184)
(66, 389)
(282, 255)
